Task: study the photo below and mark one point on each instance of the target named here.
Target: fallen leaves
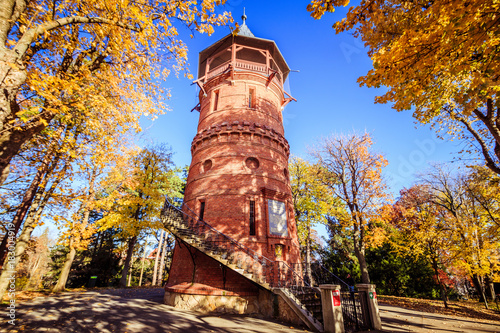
(470, 309)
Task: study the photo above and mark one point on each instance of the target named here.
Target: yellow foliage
(102, 62)
(439, 59)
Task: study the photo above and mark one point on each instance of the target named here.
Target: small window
(207, 165)
(202, 209)
(278, 251)
(252, 163)
(216, 100)
(252, 218)
(251, 98)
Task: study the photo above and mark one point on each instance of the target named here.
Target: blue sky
(329, 100)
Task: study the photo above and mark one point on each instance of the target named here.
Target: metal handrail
(222, 242)
(287, 278)
(232, 239)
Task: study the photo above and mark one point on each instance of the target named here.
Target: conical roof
(244, 30)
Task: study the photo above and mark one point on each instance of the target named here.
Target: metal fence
(352, 311)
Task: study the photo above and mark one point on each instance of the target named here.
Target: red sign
(336, 297)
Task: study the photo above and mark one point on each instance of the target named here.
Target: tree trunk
(126, 267)
(440, 283)
(12, 76)
(490, 287)
(360, 254)
(9, 270)
(478, 283)
(142, 264)
(130, 271)
(46, 167)
(158, 250)
(63, 278)
(308, 256)
(85, 207)
(162, 261)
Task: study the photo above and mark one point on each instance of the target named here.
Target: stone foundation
(235, 304)
(265, 304)
(286, 314)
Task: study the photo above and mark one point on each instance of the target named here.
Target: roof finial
(244, 17)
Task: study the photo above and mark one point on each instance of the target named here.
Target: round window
(207, 165)
(252, 163)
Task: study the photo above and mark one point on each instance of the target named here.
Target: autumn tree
(312, 202)
(81, 151)
(440, 59)
(137, 196)
(474, 234)
(353, 172)
(77, 234)
(29, 213)
(34, 264)
(423, 229)
(105, 57)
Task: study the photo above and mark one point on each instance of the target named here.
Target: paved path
(125, 310)
(396, 319)
(141, 310)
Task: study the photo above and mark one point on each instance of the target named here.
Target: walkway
(125, 310)
(141, 310)
(396, 319)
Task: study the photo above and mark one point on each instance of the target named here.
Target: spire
(244, 17)
(244, 31)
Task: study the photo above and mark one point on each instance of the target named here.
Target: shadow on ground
(397, 319)
(127, 310)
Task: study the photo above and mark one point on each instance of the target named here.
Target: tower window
(252, 218)
(207, 165)
(252, 163)
(202, 209)
(216, 100)
(251, 98)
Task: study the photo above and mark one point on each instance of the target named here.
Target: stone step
(310, 301)
(308, 297)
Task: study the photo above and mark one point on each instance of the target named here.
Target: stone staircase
(274, 276)
(311, 298)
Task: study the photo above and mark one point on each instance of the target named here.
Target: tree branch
(33, 33)
(484, 147)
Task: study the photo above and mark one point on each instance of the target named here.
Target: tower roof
(244, 30)
(245, 37)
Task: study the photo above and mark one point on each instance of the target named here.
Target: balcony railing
(243, 66)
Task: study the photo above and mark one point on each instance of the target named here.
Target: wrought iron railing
(319, 275)
(352, 312)
(185, 223)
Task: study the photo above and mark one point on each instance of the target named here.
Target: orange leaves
(319, 7)
(97, 62)
(353, 172)
(136, 190)
(438, 59)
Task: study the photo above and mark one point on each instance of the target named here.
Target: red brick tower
(238, 179)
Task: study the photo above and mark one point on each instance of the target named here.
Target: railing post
(369, 305)
(333, 322)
